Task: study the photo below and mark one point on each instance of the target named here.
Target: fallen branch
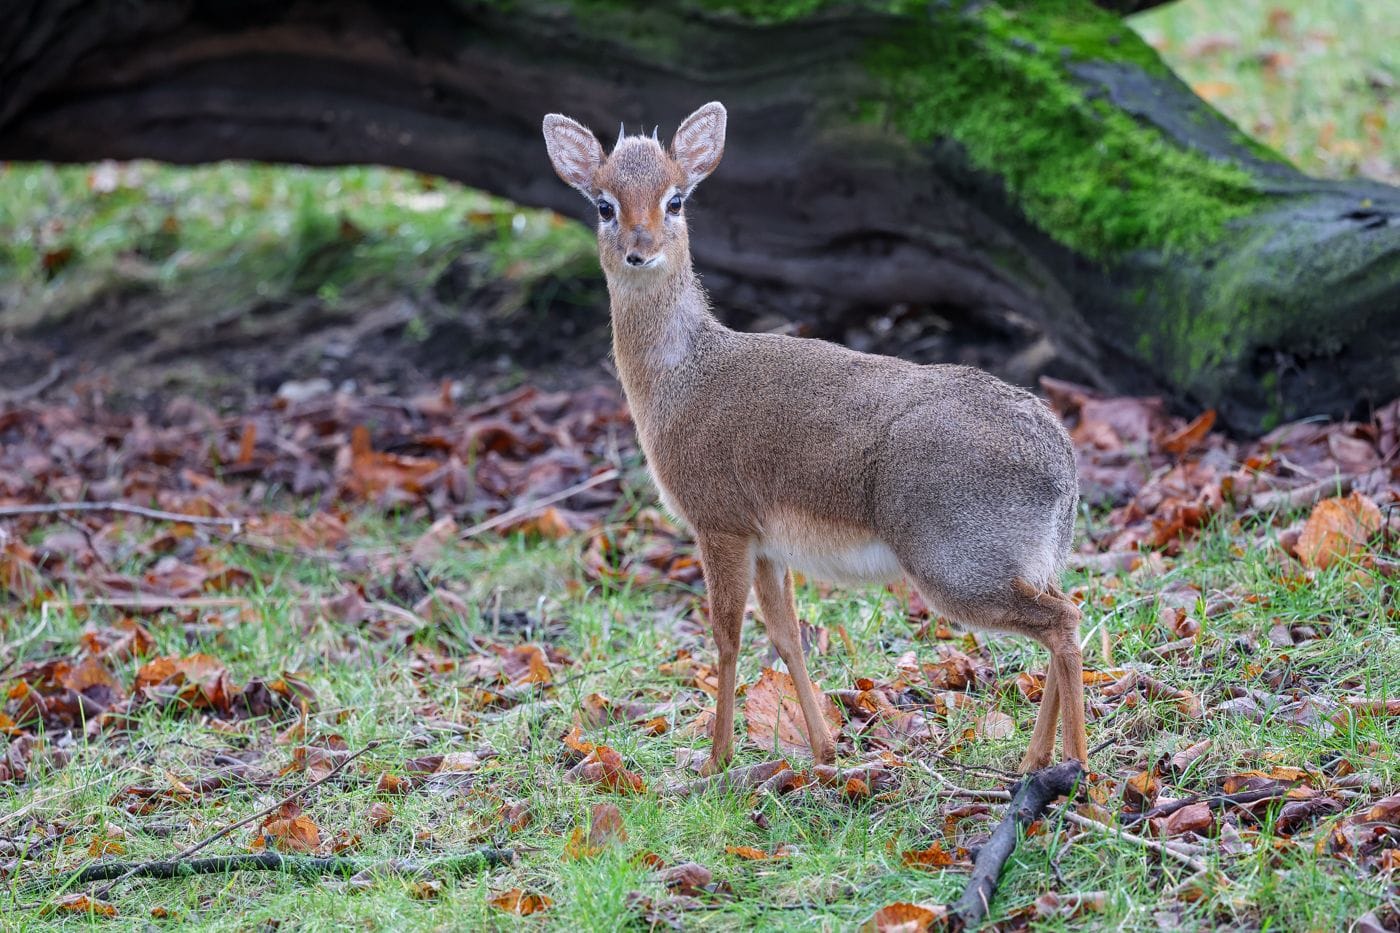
(139, 867)
(524, 511)
(124, 508)
(1216, 802)
(275, 861)
(1028, 803)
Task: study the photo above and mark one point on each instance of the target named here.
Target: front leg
(728, 565)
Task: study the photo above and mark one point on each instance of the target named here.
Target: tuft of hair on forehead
(640, 155)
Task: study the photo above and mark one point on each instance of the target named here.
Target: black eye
(605, 211)
(673, 206)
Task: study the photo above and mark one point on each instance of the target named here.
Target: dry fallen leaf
(935, 856)
(605, 828)
(82, 904)
(519, 902)
(903, 917)
(774, 716)
(1337, 529)
(1194, 818)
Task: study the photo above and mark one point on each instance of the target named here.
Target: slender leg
(1053, 619)
(775, 600)
(1070, 669)
(728, 565)
(1042, 747)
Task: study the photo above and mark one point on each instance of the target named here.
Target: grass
(236, 233)
(1316, 80)
(846, 859)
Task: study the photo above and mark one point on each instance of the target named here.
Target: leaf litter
(1319, 498)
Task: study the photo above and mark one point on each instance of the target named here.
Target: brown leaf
(603, 766)
(521, 903)
(380, 813)
(686, 878)
(774, 716)
(82, 904)
(605, 829)
(1179, 442)
(1193, 818)
(1385, 810)
(935, 856)
(995, 724)
(390, 783)
(749, 853)
(903, 917)
(290, 830)
(1338, 529)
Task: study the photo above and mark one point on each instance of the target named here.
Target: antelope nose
(635, 259)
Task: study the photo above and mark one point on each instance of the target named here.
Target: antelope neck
(657, 322)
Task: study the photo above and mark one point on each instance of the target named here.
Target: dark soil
(143, 344)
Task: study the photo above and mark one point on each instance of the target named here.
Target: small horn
(654, 131)
(621, 133)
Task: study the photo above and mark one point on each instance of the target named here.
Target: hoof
(714, 766)
(1034, 762)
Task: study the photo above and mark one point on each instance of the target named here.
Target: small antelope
(782, 452)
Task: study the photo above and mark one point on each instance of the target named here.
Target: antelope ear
(575, 152)
(699, 142)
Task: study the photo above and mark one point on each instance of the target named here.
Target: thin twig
(524, 511)
(273, 861)
(35, 388)
(125, 508)
(1215, 802)
(983, 796)
(1190, 861)
(211, 839)
(731, 780)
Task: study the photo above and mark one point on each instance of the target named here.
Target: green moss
(999, 83)
(997, 78)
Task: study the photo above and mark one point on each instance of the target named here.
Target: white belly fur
(826, 551)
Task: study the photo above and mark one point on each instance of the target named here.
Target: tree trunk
(1025, 161)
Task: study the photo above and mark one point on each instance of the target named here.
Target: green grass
(846, 862)
(236, 234)
(1316, 80)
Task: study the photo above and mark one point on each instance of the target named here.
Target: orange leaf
(1337, 529)
(902, 917)
(1179, 442)
(935, 856)
(521, 903)
(82, 904)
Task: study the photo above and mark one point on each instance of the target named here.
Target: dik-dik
(785, 453)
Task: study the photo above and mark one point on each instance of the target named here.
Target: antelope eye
(605, 211)
(673, 206)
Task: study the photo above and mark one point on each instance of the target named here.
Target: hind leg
(1042, 748)
(1052, 619)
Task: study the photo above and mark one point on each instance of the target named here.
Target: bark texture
(1016, 161)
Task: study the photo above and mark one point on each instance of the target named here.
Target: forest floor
(262, 350)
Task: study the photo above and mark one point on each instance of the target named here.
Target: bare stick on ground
(733, 779)
(275, 861)
(139, 868)
(125, 508)
(1030, 801)
(525, 511)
